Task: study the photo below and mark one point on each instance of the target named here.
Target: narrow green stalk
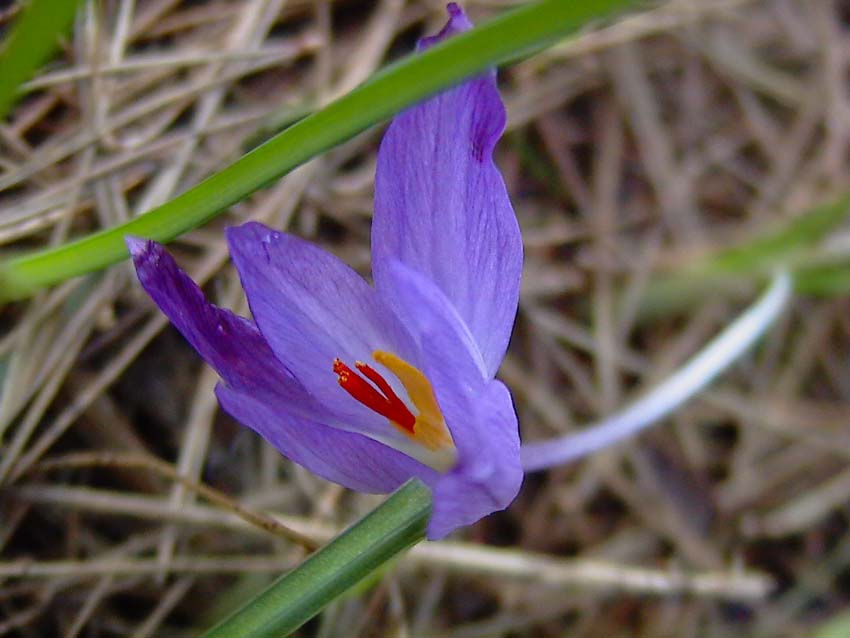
(793, 246)
(295, 598)
(34, 36)
(511, 36)
(828, 280)
(784, 245)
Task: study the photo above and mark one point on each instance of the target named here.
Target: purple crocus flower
(370, 386)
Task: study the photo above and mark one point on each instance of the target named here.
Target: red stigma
(386, 402)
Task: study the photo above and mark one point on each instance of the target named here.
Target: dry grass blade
(153, 464)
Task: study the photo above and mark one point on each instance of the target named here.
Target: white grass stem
(695, 375)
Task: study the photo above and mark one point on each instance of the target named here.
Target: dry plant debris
(632, 149)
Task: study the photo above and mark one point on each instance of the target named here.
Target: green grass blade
(792, 246)
(32, 40)
(295, 598)
(830, 280)
(836, 627)
(508, 37)
(784, 245)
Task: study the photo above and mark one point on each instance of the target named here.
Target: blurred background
(653, 162)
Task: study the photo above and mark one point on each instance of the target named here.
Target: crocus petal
(312, 308)
(457, 23)
(259, 392)
(488, 479)
(425, 310)
(352, 460)
(220, 337)
(441, 206)
(478, 412)
(231, 344)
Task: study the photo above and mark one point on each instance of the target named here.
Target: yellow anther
(430, 429)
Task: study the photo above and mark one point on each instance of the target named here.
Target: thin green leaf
(390, 529)
(34, 37)
(836, 627)
(508, 37)
(793, 246)
(784, 245)
(829, 280)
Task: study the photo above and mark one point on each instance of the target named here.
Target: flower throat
(427, 427)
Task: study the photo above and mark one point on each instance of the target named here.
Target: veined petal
(313, 309)
(488, 479)
(259, 392)
(478, 412)
(231, 344)
(442, 209)
(350, 459)
(425, 310)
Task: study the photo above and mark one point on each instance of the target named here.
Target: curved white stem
(697, 373)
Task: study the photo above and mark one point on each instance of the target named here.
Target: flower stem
(695, 375)
(296, 597)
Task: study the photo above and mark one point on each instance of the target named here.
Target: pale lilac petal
(442, 209)
(312, 308)
(487, 479)
(425, 310)
(352, 460)
(479, 413)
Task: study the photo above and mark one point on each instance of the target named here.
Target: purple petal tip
(137, 246)
(141, 249)
(148, 258)
(457, 23)
(251, 232)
